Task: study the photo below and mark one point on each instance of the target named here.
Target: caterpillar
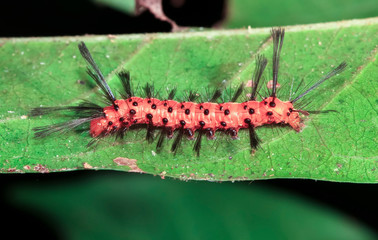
(188, 118)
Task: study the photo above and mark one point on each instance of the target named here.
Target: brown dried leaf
(156, 8)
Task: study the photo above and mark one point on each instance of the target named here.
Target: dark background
(71, 17)
(59, 18)
(357, 201)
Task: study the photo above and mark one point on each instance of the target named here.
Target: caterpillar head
(114, 119)
(279, 112)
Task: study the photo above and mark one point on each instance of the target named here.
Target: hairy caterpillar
(183, 118)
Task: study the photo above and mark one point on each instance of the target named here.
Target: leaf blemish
(87, 166)
(131, 163)
(42, 169)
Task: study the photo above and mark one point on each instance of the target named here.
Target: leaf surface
(337, 146)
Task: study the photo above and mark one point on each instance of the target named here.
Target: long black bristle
(121, 132)
(192, 96)
(44, 131)
(197, 144)
(322, 111)
(162, 137)
(261, 63)
(237, 93)
(332, 73)
(83, 110)
(39, 111)
(254, 140)
(149, 90)
(177, 140)
(217, 93)
(96, 74)
(298, 87)
(278, 35)
(124, 76)
(150, 133)
(172, 94)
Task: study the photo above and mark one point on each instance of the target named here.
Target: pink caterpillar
(185, 118)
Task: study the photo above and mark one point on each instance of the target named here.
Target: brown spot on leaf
(156, 8)
(162, 174)
(87, 165)
(40, 168)
(132, 163)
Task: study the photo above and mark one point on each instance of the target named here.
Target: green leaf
(335, 146)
